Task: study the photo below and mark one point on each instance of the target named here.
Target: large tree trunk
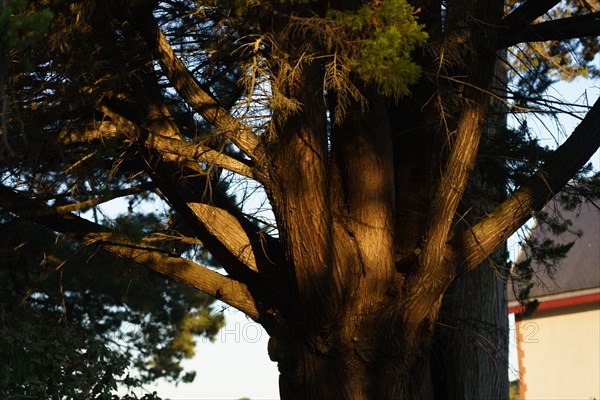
(369, 208)
(469, 357)
(378, 363)
(356, 331)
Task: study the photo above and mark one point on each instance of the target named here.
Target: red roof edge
(558, 303)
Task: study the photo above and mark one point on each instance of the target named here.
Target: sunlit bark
(369, 208)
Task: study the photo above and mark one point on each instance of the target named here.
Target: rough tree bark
(370, 234)
(469, 357)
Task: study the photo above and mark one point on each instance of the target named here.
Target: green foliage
(54, 361)
(514, 155)
(542, 249)
(76, 323)
(21, 28)
(387, 32)
(371, 45)
(513, 390)
(523, 285)
(104, 321)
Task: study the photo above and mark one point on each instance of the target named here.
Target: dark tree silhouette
(362, 122)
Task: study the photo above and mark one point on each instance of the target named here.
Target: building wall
(559, 353)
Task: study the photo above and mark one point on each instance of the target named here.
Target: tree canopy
(374, 131)
(78, 322)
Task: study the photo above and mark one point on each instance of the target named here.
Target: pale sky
(236, 365)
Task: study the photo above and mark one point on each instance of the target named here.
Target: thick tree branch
(232, 292)
(225, 231)
(228, 230)
(453, 183)
(187, 151)
(462, 156)
(561, 29)
(475, 245)
(37, 211)
(433, 275)
(198, 98)
(525, 14)
(179, 269)
(219, 229)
